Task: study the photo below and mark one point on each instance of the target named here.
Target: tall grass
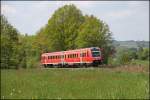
(73, 83)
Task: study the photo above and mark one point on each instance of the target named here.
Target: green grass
(73, 83)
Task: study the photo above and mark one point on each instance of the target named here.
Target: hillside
(131, 44)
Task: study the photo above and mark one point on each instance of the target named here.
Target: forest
(66, 29)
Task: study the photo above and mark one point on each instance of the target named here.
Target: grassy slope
(73, 83)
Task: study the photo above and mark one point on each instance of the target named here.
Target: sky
(127, 20)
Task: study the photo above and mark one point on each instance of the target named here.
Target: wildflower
(11, 93)
(13, 90)
(19, 91)
(3, 97)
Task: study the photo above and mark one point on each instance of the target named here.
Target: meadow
(74, 83)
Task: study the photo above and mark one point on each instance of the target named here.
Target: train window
(84, 54)
(70, 55)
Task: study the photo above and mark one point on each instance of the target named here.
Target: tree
(94, 32)
(123, 57)
(62, 28)
(9, 44)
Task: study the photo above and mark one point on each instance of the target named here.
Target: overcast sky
(128, 20)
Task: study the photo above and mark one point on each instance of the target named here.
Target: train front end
(96, 56)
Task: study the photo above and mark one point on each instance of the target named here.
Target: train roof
(75, 50)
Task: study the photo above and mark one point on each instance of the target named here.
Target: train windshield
(95, 52)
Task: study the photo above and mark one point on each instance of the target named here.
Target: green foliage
(93, 32)
(62, 28)
(122, 56)
(9, 45)
(143, 53)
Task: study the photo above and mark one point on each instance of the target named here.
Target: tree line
(66, 29)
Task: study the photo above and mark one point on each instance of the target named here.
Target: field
(69, 83)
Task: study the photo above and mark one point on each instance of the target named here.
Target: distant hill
(131, 44)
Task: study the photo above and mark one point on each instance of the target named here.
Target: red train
(85, 56)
